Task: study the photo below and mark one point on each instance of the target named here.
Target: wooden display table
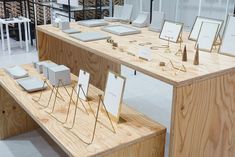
(135, 135)
(202, 116)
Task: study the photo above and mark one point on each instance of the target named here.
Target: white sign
(197, 26)
(113, 94)
(171, 31)
(228, 41)
(207, 36)
(145, 53)
(83, 80)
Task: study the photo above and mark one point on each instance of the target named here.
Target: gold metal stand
(180, 51)
(57, 91)
(168, 50)
(76, 106)
(181, 68)
(41, 92)
(96, 121)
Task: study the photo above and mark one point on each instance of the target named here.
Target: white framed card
(197, 26)
(227, 45)
(207, 36)
(83, 80)
(114, 94)
(171, 31)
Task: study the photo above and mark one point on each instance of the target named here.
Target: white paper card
(145, 53)
(113, 94)
(197, 26)
(207, 36)
(171, 31)
(228, 45)
(83, 80)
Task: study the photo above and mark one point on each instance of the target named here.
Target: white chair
(157, 21)
(142, 20)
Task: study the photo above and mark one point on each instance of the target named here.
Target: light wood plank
(204, 118)
(13, 119)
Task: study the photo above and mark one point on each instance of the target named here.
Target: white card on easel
(113, 94)
(207, 36)
(228, 46)
(145, 54)
(171, 31)
(83, 80)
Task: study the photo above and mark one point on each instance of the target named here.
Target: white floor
(147, 95)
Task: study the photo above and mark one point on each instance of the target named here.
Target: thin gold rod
(57, 88)
(107, 114)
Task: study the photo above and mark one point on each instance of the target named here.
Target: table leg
(26, 37)
(2, 37)
(20, 34)
(8, 39)
(29, 34)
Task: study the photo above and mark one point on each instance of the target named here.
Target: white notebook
(121, 30)
(16, 72)
(90, 36)
(31, 84)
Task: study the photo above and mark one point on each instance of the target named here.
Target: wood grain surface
(13, 119)
(204, 118)
(134, 133)
(211, 64)
(54, 49)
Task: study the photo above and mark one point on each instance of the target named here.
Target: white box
(39, 66)
(64, 25)
(59, 72)
(45, 68)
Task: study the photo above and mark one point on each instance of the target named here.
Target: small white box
(45, 68)
(63, 25)
(57, 73)
(39, 66)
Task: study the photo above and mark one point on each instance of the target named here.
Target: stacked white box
(39, 66)
(45, 69)
(57, 73)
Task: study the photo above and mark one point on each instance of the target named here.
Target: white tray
(93, 23)
(71, 31)
(90, 36)
(31, 84)
(120, 30)
(16, 72)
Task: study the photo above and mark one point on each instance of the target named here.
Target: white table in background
(26, 22)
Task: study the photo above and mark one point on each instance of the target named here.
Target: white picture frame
(197, 26)
(171, 31)
(227, 46)
(114, 94)
(83, 80)
(207, 36)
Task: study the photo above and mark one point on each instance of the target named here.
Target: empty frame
(113, 94)
(197, 26)
(228, 46)
(207, 36)
(171, 31)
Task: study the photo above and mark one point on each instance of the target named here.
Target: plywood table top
(133, 128)
(211, 64)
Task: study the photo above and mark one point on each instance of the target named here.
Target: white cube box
(39, 66)
(63, 25)
(57, 73)
(45, 68)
